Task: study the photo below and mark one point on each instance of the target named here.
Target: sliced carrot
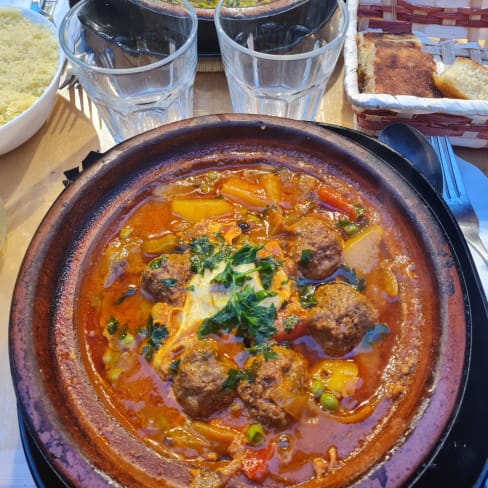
(218, 436)
(271, 248)
(334, 199)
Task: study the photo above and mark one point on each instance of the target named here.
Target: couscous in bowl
(21, 123)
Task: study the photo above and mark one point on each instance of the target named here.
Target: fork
(44, 7)
(70, 80)
(456, 197)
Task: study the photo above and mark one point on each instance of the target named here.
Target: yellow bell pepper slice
(337, 375)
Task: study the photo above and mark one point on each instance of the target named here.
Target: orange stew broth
(318, 440)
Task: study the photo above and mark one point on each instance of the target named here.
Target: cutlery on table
(455, 195)
(44, 7)
(435, 158)
(413, 145)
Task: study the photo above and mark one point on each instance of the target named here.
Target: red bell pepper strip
(299, 325)
(255, 462)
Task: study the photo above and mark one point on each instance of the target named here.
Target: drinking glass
(278, 56)
(136, 60)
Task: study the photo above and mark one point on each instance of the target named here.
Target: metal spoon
(412, 144)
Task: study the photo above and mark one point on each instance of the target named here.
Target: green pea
(317, 388)
(205, 188)
(125, 232)
(329, 401)
(127, 340)
(162, 422)
(212, 176)
(255, 434)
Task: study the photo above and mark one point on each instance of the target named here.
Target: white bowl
(22, 127)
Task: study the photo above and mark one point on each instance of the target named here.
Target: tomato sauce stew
(256, 323)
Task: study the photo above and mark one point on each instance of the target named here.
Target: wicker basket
(461, 29)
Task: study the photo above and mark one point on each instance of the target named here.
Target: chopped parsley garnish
(236, 375)
(155, 336)
(169, 282)
(351, 277)
(112, 325)
(347, 226)
(245, 255)
(359, 210)
(202, 246)
(266, 268)
(131, 290)
(254, 322)
(243, 312)
(124, 331)
(374, 334)
(173, 367)
(290, 322)
(191, 288)
(157, 262)
(266, 350)
(147, 351)
(201, 251)
(230, 276)
(203, 255)
(307, 296)
(305, 257)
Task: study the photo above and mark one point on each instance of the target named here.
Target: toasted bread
(394, 64)
(463, 79)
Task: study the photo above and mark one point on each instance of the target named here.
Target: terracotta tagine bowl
(66, 409)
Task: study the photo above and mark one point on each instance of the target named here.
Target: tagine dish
(232, 302)
(259, 324)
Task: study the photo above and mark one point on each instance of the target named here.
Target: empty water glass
(136, 60)
(278, 56)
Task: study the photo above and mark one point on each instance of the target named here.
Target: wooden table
(31, 178)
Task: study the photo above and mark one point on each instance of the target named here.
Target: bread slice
(394, 64)
(464, 79)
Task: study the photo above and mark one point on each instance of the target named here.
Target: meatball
(164, 278)
(263, 395)
(340, 319)
(198, 383)
(315, 251)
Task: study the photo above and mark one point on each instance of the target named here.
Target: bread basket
(447, 32)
